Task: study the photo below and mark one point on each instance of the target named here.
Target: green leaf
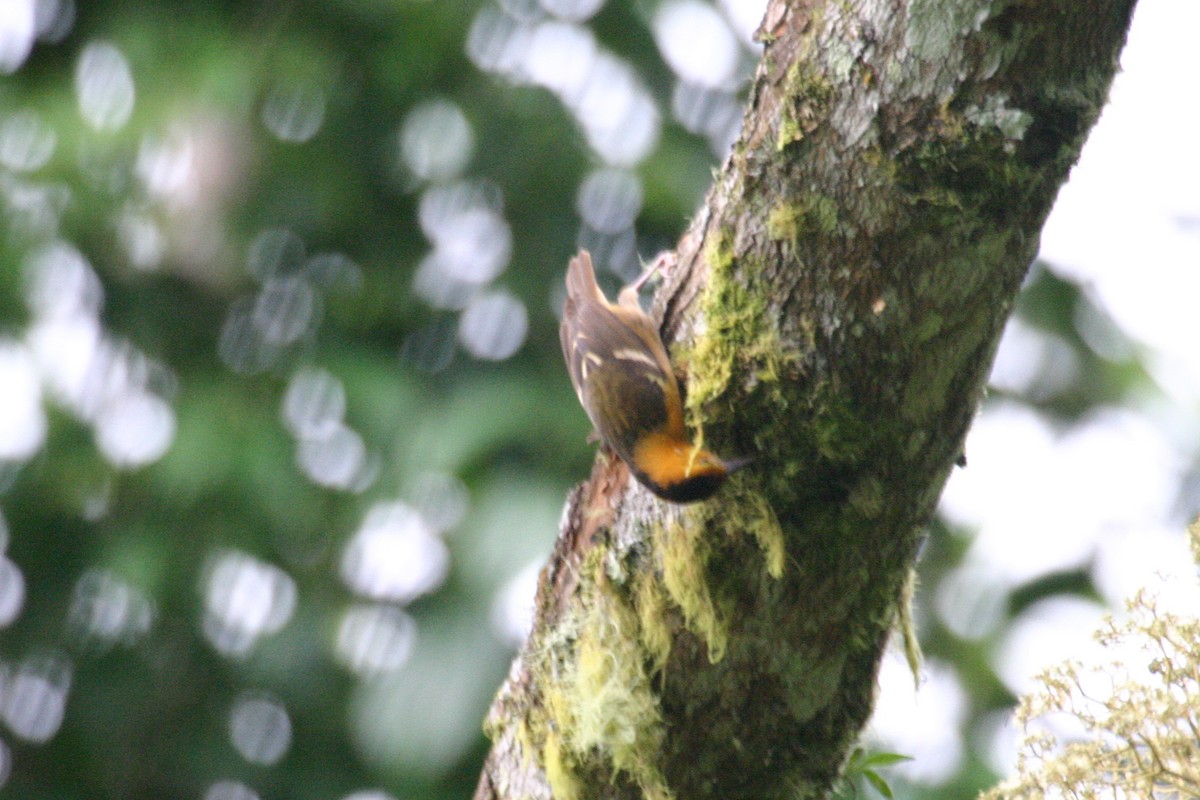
(885, 759)
(879, 783)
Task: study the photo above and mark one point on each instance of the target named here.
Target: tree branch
(836, 307)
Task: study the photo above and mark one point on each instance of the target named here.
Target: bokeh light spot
(496, 42)
(425, 716)
(60, 282)
(242, 346)
(274, 251)
(260, 728)
(26, 142)
(618, 115)
(512, 607)
(314, 403)
(244, 599)
(166, 166)
(1032, 363)
(104, 86)
(333, 271)
(369, 794)
(1046, 633)
(284, 310)
(294, 113)
(573, 10)
(970, 601)
(135, 429)
(696, 42)
(16, 34)
(337, 459)
(441, 206)
(477, 248)
(143, 240)
(53, 19)
(440, 498)
(394, 555)
(493, 326)
(106, 610)
(375, 639)
(436, 141)
(33, 698)
(22, 419)
(12, 591)
(715, 114)
(434, 283)
(230, 790)
(430, 348)
(560, 57)
(744, 17)
(472, 241)
(609, 200)
(924, 723)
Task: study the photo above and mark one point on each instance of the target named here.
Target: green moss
(956, 176)
(650, 600)
(927, 390)
(928, 328)
(744, 509)
(808, 96)
(560, 774)
(759, 519)
(908, 628)
(599, 704)
(740, 336)
(685, 550)
(840, 434)
(789, 222)
(808, 681)
(789, 132)
(866, 498)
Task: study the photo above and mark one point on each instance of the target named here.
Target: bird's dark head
(681, 472)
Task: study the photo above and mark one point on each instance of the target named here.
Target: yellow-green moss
(685, 549)
(650, 600)
(928, 328)
(600, 702)
(524, 741)
(559, 773)
(789, 222)
(740, 336)
(867, 498)
(806, 102)
(928, 387)
(840, 434)
(744, 509)
(764, 526)
(685, 552)
(808, 679)
(908, 629)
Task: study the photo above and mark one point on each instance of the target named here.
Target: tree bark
(835, 309)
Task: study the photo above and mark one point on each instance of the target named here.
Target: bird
(625, 382)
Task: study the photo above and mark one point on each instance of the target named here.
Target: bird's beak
(734, 464)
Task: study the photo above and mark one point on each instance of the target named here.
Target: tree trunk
(835, 309)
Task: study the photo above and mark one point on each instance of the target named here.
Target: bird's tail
(581, 278)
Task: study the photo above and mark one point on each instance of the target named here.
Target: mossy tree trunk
(836, 307)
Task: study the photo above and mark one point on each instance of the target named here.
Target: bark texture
(836, 307)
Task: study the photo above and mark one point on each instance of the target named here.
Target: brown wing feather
(617, 363)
